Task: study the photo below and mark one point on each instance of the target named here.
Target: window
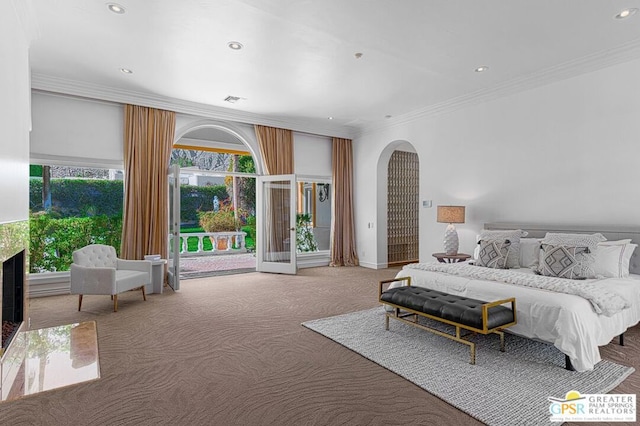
(314, 215)
(71, 207)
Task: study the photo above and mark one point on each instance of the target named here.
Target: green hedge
(92, 197)
(79, 197)
(52, 241)
(194, 199)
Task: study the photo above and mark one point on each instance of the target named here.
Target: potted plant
(305, 240)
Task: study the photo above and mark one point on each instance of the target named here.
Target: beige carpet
(230, 350)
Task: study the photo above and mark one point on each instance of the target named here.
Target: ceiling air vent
(232, 99)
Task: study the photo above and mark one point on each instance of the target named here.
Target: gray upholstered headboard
(610, 232)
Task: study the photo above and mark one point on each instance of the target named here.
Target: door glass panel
(277, 244)
(276, 221)
(174, 227)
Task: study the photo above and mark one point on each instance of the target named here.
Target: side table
(157, 276)
(451, 258)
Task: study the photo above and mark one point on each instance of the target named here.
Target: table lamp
(451, 215)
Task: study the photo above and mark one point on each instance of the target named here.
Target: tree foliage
(204, 160)
(53, 240)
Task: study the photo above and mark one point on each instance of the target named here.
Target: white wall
(312, 155)
(14, 118)
(563, 153)
(70, 130)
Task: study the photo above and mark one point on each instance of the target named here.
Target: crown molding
(76, 88)
(586, 64)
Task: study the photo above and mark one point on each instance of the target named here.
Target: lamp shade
(451, 214)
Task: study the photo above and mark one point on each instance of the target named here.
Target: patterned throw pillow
(587, 258)
(493, 253)
(564, 262)
(513, 235)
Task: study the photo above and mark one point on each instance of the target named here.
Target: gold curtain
(148, 139)
(276, 147)
(343, 238)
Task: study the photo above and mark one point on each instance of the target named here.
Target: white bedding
(567, 321)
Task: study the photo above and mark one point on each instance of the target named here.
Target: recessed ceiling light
(126, 71)
(626, 13)
(116, 8)
(235, 45)
(482, 68)
(329, 118)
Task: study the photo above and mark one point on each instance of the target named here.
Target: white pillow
(513, 235)
(588, 240)
(530, 252)
(612, 261)
(615, 243)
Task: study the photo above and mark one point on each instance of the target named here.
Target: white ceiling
(298, 62)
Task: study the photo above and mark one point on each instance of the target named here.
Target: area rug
(503, 388)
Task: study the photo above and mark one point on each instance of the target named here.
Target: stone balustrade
(222, 243)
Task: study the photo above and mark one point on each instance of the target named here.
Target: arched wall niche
(382, 191)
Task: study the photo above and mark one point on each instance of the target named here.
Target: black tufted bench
(474, 315)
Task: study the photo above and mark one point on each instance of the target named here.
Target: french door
(276, 224)
(174, 227)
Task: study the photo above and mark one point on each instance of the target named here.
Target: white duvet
(567, 321)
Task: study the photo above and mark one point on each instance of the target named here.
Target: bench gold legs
(501, 334)
(457, 338)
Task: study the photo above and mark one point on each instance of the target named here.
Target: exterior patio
(220, 264)
(214, 253)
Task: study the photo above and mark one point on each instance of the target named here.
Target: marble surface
(14, 237)
(55, 357)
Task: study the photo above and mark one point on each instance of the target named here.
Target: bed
(574, 323)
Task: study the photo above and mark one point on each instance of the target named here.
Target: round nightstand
(451, 258)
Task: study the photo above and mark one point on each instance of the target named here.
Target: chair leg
(79, 302)
(144, 293)
(115, 303)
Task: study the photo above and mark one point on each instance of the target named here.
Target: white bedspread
(567, 321)
(603, 298)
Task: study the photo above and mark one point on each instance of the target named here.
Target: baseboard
(313, 260)
(371, 265)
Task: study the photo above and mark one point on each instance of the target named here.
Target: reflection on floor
(56, 357)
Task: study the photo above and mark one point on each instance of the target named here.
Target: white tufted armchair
(97, 270)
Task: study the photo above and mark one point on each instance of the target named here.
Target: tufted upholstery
(96, 256)
(458, 309)
(97, 270)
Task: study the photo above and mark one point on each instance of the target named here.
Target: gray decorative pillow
(565, 262)
(493, 253)
(587, 258)
(513, 258)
